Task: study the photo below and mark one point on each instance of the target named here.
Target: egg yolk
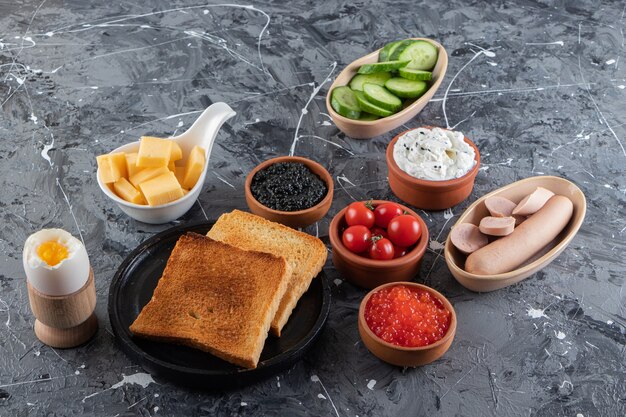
(52, 252)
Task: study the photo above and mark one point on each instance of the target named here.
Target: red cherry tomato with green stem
(358, 213)
(404, 230)
(357, 238)
(381, 249)
(379, 231)
(383, 213)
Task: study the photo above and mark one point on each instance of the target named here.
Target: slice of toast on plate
(305, 253)
(217, 298)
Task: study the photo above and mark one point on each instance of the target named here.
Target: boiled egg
(55, 262)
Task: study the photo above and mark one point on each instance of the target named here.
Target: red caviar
(407, 316)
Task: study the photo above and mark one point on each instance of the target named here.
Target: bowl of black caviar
(291, 190)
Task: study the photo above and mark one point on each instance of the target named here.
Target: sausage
(497, 226)
(467, 238)
(533, 202)
(499, 206)
(527, 239)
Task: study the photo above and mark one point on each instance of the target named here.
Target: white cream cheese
(434, 154)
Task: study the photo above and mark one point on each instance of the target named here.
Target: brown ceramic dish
(295, 219)
(359, 129)
(425, 194)
(515, 192)
(370, 273)
(406, 356)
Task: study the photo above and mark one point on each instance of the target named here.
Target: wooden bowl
(406, 356)
(425, 194)
(370, 273)
(295, 219)
(359, 129)
(515, 192)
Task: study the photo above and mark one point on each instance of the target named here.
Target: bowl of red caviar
(406, 324)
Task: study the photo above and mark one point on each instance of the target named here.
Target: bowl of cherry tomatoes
(377, 242)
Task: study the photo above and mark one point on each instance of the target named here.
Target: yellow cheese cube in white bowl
(202, 133)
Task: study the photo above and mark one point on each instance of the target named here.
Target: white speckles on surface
(371, 384)
(559, 335)
(536, 313)
(337, 281)
(321, 396)
(434, 245)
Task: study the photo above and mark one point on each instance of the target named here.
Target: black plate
(132, 288)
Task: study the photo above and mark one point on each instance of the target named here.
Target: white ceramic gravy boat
(202, 133)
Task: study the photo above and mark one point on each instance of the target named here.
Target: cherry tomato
(381, 249)
(357, 238)
(399, 251)
(404, 230)
(379, 231)
(385, 212)
(359, 214)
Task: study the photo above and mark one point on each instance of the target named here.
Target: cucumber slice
(384, 52)
(381, 97)
(369, 107)
(344, 102)
(404, 88)
(423, 55)
(382, 67)
(367, 117)
(400, 48)
(377, 78)
(416, 75)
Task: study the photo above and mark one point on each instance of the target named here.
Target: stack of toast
(223, 293)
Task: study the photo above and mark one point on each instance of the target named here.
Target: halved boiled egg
(55, 262)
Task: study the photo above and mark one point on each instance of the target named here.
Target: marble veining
(538, 85)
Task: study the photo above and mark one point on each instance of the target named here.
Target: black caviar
(288, 186)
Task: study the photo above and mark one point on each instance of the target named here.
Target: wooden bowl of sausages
(523, 240)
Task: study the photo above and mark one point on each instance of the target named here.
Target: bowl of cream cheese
(432, 168)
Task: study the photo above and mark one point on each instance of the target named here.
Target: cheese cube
(177, 152)
(131, 164)
(180, 173)
(194, 167)
(125, 190)
(162, 189)
(153, 152)
(147, 174)
(112, 167)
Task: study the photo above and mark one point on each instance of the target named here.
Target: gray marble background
(539, 86)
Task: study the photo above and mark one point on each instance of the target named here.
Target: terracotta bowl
(295, 219)
(515, 192)
(406, 356)
(359, 129)
(370, 273)
(425, 194)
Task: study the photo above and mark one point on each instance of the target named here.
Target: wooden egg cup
(65, 321)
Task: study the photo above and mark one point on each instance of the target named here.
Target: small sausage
(533, 202)
(499, 206)
(467, 238)
(497, 226)
(527, 239)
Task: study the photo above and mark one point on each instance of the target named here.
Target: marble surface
(538, 85)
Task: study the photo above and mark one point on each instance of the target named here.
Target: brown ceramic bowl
(516, 192)
(295, 219)
(359, 129)
(406, 356)
(370, 273)
(425, 194)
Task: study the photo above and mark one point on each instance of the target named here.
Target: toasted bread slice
(306, 254)
(217, 298)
